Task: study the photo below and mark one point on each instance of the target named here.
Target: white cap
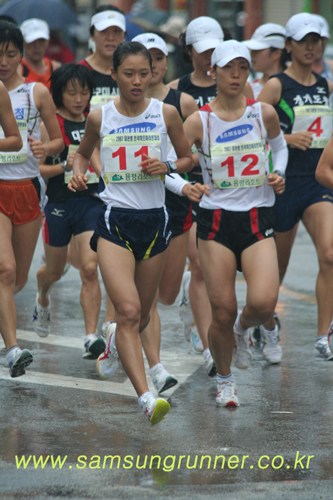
(204, 33)
(301, 25)
(266, 36)
(33, 29)
(324, 27)
(108, 18)
(227, 51)
(151, 41)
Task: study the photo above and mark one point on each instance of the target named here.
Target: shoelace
(271, 339)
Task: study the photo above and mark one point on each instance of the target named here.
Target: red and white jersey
(124, 141)
(234, 162)
(256, 87)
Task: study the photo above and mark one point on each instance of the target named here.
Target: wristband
(280, 173)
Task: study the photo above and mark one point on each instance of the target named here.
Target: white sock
(12, 352)
(142, 399)
(206, 352)
(155, 368)
(220, 378)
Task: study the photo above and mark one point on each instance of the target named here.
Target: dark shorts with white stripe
(236, 230)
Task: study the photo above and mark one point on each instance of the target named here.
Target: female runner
(22, 188)
(202, 35)
(301, 100)
(235, 222)
(71, 88)
(133, 229)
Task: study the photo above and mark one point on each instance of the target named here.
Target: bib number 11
(121, 153)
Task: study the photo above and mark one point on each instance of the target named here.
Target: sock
(239, 329)
(220, 378)
(12, 352)
(206, 352)
(321, 337)
(142, 399)
(155, 368)
(42, 307)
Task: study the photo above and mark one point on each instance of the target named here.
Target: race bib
(314, 119)
(16, 156)
(238, 165)
(97, 101)
(92, 177)
(123, 153)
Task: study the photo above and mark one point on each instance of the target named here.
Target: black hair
(186, 49)
(126, 49)
(69, 72)
(285, 57)
(9, 19)
(103, 8)
(9, 32)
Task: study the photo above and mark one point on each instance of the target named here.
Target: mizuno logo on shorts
(269, 231)
(57, 212)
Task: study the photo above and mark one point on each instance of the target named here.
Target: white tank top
(123, 142)
(235, 163)
(22, 164)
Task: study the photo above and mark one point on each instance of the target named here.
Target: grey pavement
(61, 408)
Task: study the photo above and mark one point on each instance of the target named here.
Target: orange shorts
(19, 201)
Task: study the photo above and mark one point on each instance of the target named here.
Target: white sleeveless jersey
(124, 140)
(256, 87)
(22, 164)
(233, 156)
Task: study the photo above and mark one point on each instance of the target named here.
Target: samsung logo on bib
(234, 133)
(136, 128)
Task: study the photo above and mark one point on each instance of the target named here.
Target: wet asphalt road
(61, 408)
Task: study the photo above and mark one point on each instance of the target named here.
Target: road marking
(181, 364)
(282, 412)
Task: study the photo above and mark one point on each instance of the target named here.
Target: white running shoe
(162, 380)
(41, 320)
(108, 361)
(93, 346)
(269, 344)
(19, 361)
(243, 350)
(209, 363)
(196, 340)
(330, 337)
(322, 349)
(154, 409)
(227, 393)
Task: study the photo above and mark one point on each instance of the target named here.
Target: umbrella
(57, 14)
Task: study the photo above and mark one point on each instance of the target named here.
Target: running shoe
(162, 380)
(322, 349)
(330, 337)
(93, 346)
(41, 320)
(108, 361)
(196, 340)
(227, 393)
(243, 350)
(154, 409)
(256, 330)
(185, 311)
(66, 269)
(209, 363)
(269, 344)
(19, 361)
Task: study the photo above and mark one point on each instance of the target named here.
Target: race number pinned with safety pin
(97, 101)
(92, 177)
(238, 165)
(124, 152)
(318, 120)
(16, 156)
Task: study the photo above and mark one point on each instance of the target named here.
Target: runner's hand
(37, 148)
(78, 183)
(153, 166)
(300, 140)
(194, 192)
(277, 183)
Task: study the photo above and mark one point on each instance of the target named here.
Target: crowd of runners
(166, 187)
